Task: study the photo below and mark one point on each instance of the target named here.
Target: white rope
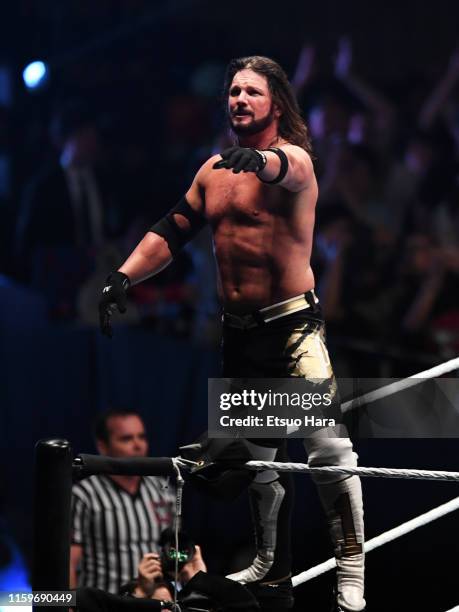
(178, 524)
(184, 463)
(401, 385)
(384, 538)
(360, 471)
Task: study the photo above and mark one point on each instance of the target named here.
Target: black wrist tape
(119, 277)
(283, 166)
(262, 159)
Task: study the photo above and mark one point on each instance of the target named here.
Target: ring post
(52, 499)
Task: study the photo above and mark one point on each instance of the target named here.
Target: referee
(117, 519)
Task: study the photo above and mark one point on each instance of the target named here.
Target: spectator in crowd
(151, 581)
(78, 193)
(70, 210)
(440, 103)
(117, 519)
(369, 117)
(428, 309)
(373, 122)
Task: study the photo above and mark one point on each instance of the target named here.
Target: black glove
(240, 158)
(113, 297)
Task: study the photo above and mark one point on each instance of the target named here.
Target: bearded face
(250, 105)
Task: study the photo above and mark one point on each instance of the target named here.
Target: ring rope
(384, 538)
(178, 520)
(401, 385)
(360, 471)
(185, 463)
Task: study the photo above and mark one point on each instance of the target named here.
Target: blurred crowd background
(130, 108)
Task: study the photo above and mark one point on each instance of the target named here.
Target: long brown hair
(292, 127)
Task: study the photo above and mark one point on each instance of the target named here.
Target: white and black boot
(342, 502)
(265, 502)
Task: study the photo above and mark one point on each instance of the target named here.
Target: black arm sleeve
(172, 233)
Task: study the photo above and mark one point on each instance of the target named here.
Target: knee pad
(330, 451)
(262, 453)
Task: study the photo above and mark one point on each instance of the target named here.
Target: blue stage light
(35, 74)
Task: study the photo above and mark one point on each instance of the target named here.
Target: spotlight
(35, 74)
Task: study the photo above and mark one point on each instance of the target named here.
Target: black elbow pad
(173, 234)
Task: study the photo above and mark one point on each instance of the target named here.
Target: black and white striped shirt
(116, 528)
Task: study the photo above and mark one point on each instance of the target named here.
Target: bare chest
(239, 197)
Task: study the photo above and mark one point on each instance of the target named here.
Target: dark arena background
(141, 79)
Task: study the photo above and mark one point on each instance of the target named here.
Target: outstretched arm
(288, 165)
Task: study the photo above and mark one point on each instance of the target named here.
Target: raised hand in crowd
(428, 263)
(343, 58)
(332, 245)
(437, 102)
(382, 110)
(304, 69)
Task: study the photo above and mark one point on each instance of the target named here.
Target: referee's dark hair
(100, 426)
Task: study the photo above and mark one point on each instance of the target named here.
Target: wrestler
(259, 199)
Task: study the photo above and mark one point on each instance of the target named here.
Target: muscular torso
(262, 239)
